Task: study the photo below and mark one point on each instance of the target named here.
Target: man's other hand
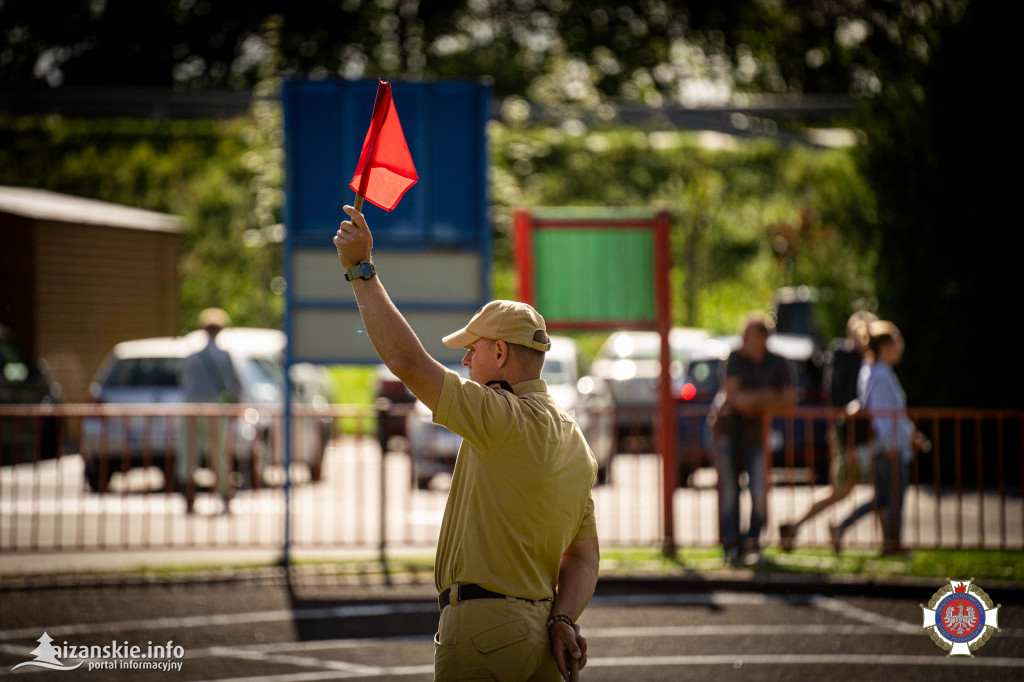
(567, 645)
(353, 240)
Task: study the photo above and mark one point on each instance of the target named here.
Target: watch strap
(361, 270)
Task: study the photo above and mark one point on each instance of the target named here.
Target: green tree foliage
(748, 217)
(928, 76)
(210, 173)
(651, 51)
(936, 160)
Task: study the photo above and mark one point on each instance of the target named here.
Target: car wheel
(685, 470)
(48, 443)
(821, 471)
(243, 473)
(316, 469)
(93, 478)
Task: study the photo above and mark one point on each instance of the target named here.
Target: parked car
(24, 381)
(433, 449)
(694, 391)
(392, 403)
(145, 371)
(701, 380)
(630, 363)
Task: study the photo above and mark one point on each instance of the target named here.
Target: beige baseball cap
(214, 317)
(509, 321)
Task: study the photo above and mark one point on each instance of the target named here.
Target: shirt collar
(531, 386)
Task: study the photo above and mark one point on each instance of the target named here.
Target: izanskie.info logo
(113, 656)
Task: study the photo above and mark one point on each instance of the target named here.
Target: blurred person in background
(518, 555)
(755, 380)
(843, 361)
(891, 450)
(206, 376)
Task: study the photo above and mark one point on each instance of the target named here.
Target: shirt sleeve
(483, 416)
(588, 529)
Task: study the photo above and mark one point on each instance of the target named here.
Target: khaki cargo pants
(494, 639)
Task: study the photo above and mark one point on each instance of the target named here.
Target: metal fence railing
(80, 478)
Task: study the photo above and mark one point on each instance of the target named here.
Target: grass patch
(353, 384)
(921, 563)
(1003, 565)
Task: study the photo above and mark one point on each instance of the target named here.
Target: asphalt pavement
(266, 626)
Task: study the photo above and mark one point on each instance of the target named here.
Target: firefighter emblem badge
(960, 617)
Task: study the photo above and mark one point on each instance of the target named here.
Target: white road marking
(801, 659)
(634, 662)
(396, 671)
(722, 598)
(870, 617)
(286, 653)
(355, 611)
(298, 661)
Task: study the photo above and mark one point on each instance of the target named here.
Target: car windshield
(557, 372)
(704, 373)
(144, 372)
(267, 376)
(639, 347)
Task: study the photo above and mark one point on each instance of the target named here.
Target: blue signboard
(325, 123)
(432, 251)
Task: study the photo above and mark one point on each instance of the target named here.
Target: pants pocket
(502, 636)
(445, 664)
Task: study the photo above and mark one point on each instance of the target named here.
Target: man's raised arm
(392, 337)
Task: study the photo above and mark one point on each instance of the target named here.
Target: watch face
(364, 269)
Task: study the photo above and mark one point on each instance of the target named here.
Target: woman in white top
(895, 436)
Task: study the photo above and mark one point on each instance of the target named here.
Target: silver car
(629, 362)
(433, 449)
(145, 372)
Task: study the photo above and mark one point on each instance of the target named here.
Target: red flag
(385, 169)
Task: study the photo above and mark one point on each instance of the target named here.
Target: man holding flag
(518, 555)
(517, 558)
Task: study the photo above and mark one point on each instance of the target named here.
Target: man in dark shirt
(755, 380)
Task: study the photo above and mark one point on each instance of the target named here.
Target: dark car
(796, 313)
(24, 381)
(695, 390)
(393, 404)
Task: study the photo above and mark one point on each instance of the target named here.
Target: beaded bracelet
(560, 618)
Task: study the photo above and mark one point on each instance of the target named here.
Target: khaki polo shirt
(521, 492)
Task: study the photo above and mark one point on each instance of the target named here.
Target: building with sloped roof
(79, 275)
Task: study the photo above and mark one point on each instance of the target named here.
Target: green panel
(584, 274)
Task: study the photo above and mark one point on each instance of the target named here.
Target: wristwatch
(361, 270)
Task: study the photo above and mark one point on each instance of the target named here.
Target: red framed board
(595, 269)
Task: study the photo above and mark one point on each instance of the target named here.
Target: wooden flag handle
(574, 664)
(359, 203)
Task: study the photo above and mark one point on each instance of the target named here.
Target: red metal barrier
(965, 492)
(980, 450)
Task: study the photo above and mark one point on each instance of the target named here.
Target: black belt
(465, 593)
